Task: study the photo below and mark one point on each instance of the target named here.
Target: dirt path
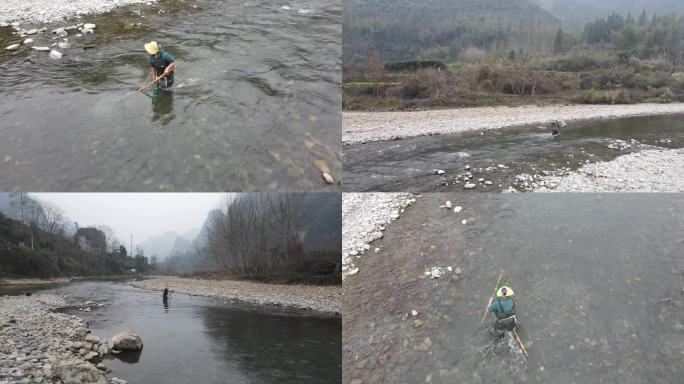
(360, 127)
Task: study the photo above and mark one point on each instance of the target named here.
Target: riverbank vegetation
(274, 237)
(510, 55)
(38, 240)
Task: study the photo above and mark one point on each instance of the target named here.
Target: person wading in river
(503, 306)
(161, 64)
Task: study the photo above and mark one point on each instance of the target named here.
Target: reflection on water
(407, 164)
(198, 340)
(255, 102)
(162, 105)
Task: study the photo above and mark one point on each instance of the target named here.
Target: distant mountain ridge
(168, 243)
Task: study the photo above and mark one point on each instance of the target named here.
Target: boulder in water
(126, 341)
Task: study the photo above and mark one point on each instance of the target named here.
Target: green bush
(666, 96)
(414, 65)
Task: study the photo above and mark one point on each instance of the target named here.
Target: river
(407, 165)
(599, 279)
(255, 103)
(205, 340)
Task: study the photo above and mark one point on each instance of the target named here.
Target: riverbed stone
(13, 47)
(126, 341)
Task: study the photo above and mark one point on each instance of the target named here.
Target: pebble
(328, 179)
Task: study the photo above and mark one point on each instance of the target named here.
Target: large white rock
(57, 55)
(13, 47)
(89, 26)
(126, 341)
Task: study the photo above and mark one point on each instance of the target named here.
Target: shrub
(413, 65)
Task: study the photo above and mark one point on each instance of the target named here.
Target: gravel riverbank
(309, 297)
(364, 218)
(360, 127)
(43, 11)
(654, 170)
(38, 345)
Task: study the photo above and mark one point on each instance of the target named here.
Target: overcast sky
(141, 214)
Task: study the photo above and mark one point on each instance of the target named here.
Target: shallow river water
(255, 102)
(203, 340)
(599, 279)
(407, 165)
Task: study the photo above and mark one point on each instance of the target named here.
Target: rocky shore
(364, 218)
(653, 170)
(361, 127)
(38, 345)
(43, 11)
(31, 281)
(326, 299)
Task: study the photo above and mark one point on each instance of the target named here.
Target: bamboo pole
(150, 83)
(522, 346)
(484, 316)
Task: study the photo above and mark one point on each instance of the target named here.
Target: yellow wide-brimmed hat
(152, 48)
(509, 292)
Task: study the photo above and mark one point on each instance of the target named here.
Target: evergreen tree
(558, 42)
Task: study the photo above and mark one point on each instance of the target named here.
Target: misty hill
(5, 203)
(575, 13)
(439, 29)
(168, 243)
(180, 245)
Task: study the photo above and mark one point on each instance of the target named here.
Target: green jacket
(503, 307)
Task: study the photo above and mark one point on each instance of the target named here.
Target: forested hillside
(443, 29)
(38, 240)
(616, 59)
(576, 13)
(271, 236)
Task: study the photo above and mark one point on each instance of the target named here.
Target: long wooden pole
(520, 342)
(490, 298)
(150, 83)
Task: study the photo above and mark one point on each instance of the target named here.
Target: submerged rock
(126, 341)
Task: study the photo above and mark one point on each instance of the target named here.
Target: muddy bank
(600, 300)
(315, 298)
(43, 12)
(364, 218)
(39, 345)
(647, 171)
(360, 127)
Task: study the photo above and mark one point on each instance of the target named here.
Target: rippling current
(255, 102)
